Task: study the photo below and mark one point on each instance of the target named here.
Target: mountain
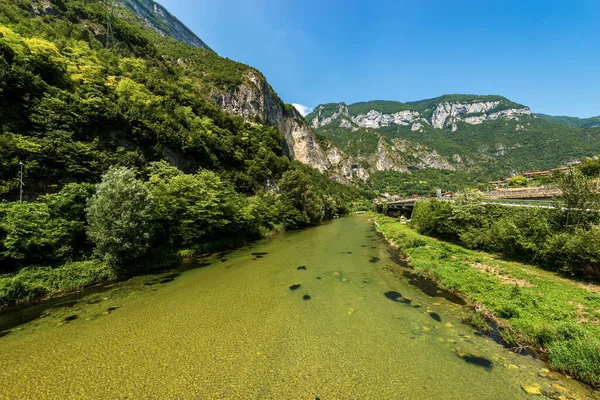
(441, 112)
(592, 122)
(163, 22)
(86, 85)
(451, 141)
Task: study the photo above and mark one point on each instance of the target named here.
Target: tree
(517, 181)
(120, 217)
(590, 167)
(193, 207)
(577, 198)
(30, 235)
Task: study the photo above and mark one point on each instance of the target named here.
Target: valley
(170, 227)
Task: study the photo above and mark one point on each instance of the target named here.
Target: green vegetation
(533, 307)
(423, 182)
(590, 167)
(518, 181)
(572, 121)
(383, 106)
(426, 106)
(362, 142)
(496, 148)
(486, 151)
(563, 239)
(129, 165)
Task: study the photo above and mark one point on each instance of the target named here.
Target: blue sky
(544, 54)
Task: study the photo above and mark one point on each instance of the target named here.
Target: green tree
(577, 198)
(590, 167)
(193, 207)
(517, 181)
(120, 217)
(30, 235)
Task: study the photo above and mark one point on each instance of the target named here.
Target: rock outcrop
(256, 100)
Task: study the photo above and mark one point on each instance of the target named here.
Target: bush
(580, 356)
(535, 235)
(576, 253)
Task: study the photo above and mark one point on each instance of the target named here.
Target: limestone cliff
(444, 114)
(255, 100)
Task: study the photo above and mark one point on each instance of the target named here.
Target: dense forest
(127, 163)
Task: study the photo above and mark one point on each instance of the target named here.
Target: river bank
(35, 284)
(534, 308)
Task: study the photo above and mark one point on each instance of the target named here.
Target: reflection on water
(237, 329)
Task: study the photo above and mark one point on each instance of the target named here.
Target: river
(323, 313)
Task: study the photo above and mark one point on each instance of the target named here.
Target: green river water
(232, 328)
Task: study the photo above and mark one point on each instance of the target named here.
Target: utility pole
(21, 179)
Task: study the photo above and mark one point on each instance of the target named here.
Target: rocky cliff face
(448, 114)
(444, 115)
(256, 100)
(159, 19)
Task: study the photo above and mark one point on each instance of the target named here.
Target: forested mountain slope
(477, 138)
(575, 122)
(78, 97)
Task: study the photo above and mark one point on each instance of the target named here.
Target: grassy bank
(34, 283)
(37, 283)
(534, 308)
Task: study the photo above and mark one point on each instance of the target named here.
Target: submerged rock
(477, 360)
(435, 316)
(532, 389)
(393, 295)
(397, 297)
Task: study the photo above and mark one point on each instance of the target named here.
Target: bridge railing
(523, 193)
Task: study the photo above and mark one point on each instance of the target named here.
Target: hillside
(592, 122)
(78, 97)
(406, 147)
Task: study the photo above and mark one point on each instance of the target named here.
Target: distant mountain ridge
(440, 112)
(575, 122)
(477, 137)
(163, 22)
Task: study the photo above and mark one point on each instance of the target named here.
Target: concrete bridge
(402, 208)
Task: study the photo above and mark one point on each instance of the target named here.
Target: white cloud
(304, 110)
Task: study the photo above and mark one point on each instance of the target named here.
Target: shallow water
(357, 326)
